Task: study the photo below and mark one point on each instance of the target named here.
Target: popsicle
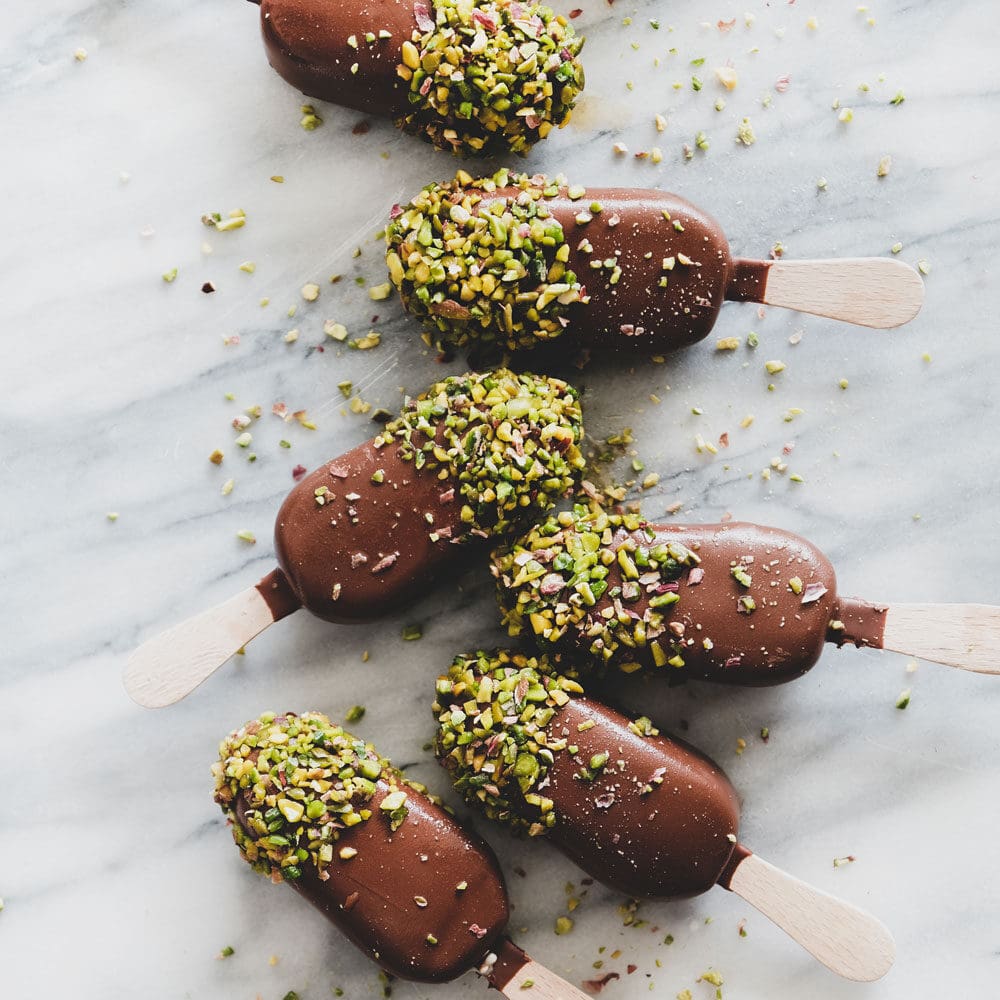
(472, 458)
(476, 78)
(312, 806)
(641, 813)
(517, 260)
(736, 603)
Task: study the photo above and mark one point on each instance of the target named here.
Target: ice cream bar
(473, 78)
(313, 806)
(736, 603)
(472, 458)
(514, 260)
(642, 813)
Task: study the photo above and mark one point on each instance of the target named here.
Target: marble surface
(117, 873)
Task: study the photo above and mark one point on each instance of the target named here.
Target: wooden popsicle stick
(170, 666)
(959, 635)
(876, 292)
(846, 940)
(511, 971)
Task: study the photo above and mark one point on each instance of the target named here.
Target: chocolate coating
(864, 623)
(278, 594)
(670, 841)
(372, 896)
(680, 314)
(368, 543)
(306, 43)
(517, 260)
(716, 638)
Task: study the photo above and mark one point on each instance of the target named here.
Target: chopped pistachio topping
(491, 77)
(508, 444)
(478, 263)
(492, 712)
(595, 580)
(290, 785)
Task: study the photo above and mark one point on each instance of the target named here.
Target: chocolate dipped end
(398, 899)
(674, 840)
(647, 306)
(308, 43)
(362, 548)
(503, 965)
(748, 280)
(858, 623)
(278, 594)
(794, 589)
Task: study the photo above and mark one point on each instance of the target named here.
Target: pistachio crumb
(745, 133)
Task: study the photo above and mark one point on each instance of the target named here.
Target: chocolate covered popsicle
(735, 603)
(473, 458)
(514, 260)
(313, 806)
(475, 78)
(641, 813)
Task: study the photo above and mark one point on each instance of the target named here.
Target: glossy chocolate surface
(714, 634)
(377, 897)
(673, 841)
(370, 544)
(278, 594)
(631, 229)
(307, 43)
(863, 623)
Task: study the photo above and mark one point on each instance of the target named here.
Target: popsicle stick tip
(877, 292)
(966, 636)
(168, 667)
(846, 939)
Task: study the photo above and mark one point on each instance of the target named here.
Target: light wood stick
(959, 635)
(846, 940)
(171, 665)
(546, 985)
(877, 292)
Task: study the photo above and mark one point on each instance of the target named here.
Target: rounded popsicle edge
(515, 769)
(383, 59)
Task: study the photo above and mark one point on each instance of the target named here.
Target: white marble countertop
(118, 876)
